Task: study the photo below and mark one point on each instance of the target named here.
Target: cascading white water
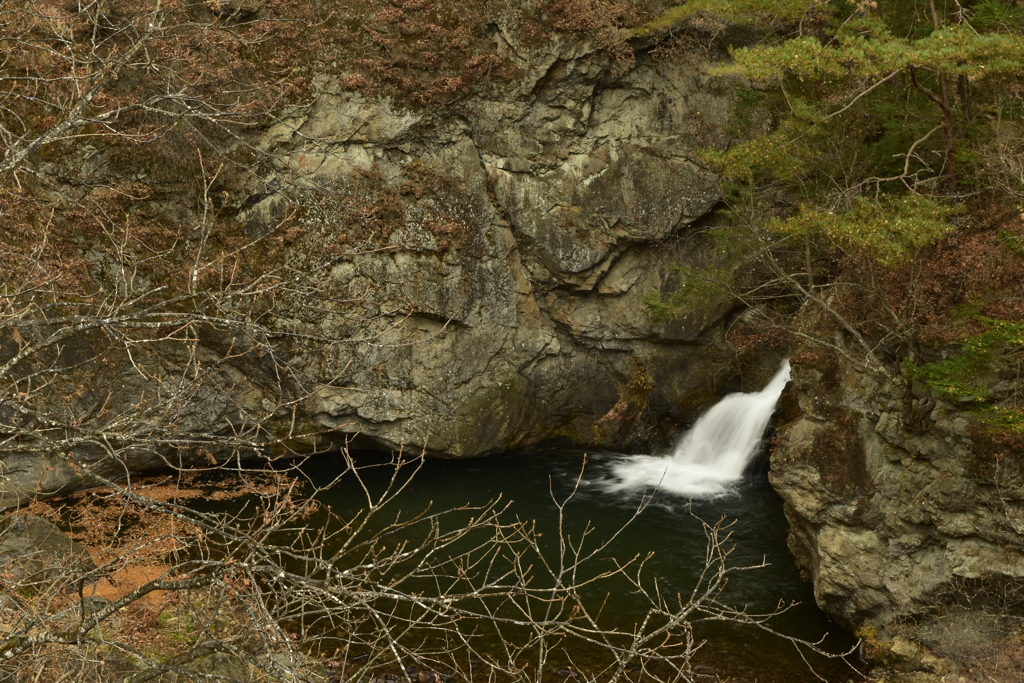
(710, 458)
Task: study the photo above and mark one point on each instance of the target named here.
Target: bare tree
(118, 314)
(116, 71)
(457, 594)
(117, 328)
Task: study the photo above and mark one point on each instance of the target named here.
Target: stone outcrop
(900, 510)
(34, 551)
(494, 298)
(519, 325)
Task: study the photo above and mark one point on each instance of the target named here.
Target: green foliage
(750, 11)
(890, 229)
(697, 287)
(859, 113)
(1012, 242)
(864, 89)
(866, 49)
(998, 15)
(748, 104)
(1001, 418)
(180, 625)
(960, 375)
(701, 284)
(967, 377)
(861, 127)
(785, 153)
(956, 378)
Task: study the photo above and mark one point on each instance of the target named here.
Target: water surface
(669, 526)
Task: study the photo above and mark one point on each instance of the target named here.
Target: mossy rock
(217, 666)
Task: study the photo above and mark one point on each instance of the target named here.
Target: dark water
(669, 526)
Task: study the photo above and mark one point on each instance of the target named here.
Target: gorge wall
(563, 198)
(906, 514)
(474, 283)
(498, 304)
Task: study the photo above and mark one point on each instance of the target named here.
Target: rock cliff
(478, 269)
(562, 198)
(902, 512)
(474, 283)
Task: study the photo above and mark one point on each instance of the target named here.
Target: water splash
(710, 458)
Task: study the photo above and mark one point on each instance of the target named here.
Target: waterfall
(710, 458)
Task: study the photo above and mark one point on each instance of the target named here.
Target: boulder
(34, 551)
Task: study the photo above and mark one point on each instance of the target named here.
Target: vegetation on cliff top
(877, 177)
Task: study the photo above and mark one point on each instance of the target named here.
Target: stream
(654, 506)
(664, 505)
(669, 526)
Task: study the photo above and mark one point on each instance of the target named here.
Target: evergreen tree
(866, 132)
(873, 101)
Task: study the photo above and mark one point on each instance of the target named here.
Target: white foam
(710, 459)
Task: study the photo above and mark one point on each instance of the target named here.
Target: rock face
(511, 291)
(898, 508)
(479, 274)
(33, 550)
(479, 270)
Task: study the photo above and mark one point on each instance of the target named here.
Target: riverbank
(163, 622)
(136, 545)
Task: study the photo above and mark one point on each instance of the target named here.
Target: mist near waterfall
(709, 460)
